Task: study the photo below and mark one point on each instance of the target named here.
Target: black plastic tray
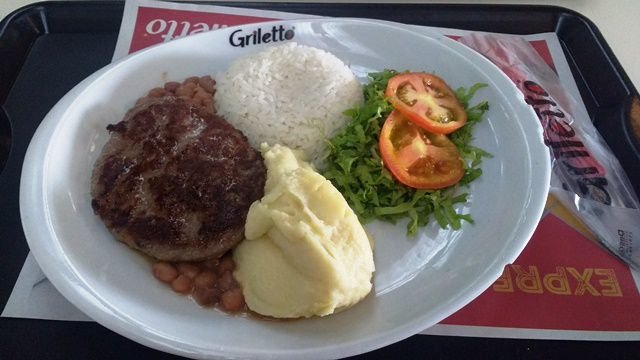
(47, 48)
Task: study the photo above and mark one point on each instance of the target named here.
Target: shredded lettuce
(354, 166)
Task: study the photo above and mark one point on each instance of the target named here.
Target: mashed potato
(305, 251)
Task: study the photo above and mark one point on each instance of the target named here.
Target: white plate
(419, 281)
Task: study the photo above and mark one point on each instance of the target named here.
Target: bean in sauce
(210, 283)
(195, 90)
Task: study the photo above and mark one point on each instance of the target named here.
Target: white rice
(289, 94)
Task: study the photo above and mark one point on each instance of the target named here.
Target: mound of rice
(289, 94)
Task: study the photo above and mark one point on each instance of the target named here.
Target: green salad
(356, 169)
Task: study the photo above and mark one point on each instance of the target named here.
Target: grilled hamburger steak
(176, 182)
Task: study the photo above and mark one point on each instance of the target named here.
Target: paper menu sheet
(547, 292)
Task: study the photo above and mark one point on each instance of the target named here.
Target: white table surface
(618, 20)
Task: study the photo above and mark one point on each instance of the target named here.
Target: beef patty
(175, 181)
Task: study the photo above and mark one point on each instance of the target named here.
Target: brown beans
(207, 83)
(186, 89)
(164, 272)
(191, 80)
(195, 90)
(171, 86)
(226, 281)
(188, 270)
(142, 100)
(157, 92)
(205, 279)
(209, 282)
(207, 296)
(232, 300)
(226, 264)
(201, 95)
(182, 284)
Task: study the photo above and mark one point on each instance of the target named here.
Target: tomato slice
(426, 100)
(418, 158)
